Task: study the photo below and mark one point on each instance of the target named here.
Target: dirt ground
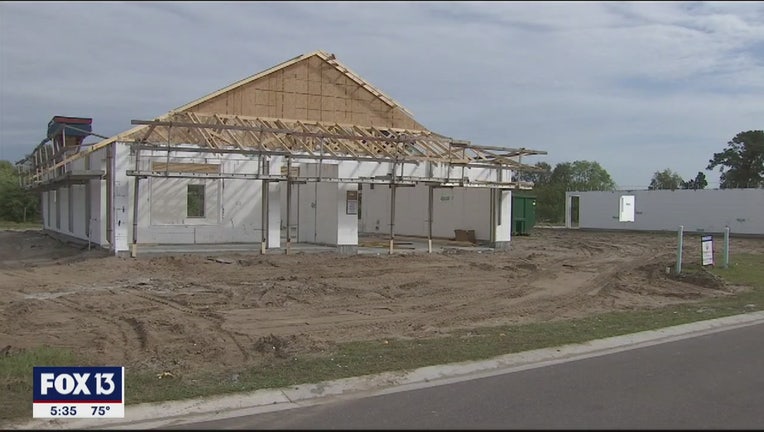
(203, 312)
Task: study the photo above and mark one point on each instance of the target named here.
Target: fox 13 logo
(79, 392)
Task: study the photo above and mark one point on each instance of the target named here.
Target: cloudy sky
(638, 87)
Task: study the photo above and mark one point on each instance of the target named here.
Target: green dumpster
(523, 213)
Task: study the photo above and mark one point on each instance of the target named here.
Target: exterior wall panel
(705, 210)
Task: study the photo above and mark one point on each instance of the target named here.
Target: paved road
(715, 381)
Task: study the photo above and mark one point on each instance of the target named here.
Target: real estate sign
(707, 250)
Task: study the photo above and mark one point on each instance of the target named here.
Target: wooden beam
(294, 141)
(246, 132)
(220, 137)
(205, 133)
(294, 132)
(378, 145)
(230, 133)
(277, 138)
(342, 143)
(185, 167)
(149, 130)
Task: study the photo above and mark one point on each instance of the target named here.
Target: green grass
(4, 225)
(16, 377)
(368, 357)
(744, 269)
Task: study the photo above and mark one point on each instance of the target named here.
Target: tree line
(16, 203)
(741, 165)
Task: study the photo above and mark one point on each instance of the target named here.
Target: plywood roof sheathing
(331, 59)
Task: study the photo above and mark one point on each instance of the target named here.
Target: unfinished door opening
(574, 207)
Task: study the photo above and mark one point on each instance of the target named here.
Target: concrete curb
(173, 413)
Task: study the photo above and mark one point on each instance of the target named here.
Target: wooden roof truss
(299, 139)
(313, 139)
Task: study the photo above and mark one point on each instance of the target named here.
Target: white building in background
(307, 150)
(702, 210)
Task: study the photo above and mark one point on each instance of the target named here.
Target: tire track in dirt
(212, 318)
(465, 304)
(570, 284)
(580, 291)
(128, 346)
(411, 305)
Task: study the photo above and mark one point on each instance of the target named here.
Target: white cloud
(637, 86)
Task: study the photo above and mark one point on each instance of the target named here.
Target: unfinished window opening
(195, 201)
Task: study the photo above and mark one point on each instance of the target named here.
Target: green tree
(581, 176)
(741, 164)
(589, 176)
(699, 182)
(539, 177)
(568, 176)
(665, 179)
(16, 203)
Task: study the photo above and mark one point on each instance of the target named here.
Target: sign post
(726, 247)
(679, 248)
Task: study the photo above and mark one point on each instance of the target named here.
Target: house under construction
(306, 151)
